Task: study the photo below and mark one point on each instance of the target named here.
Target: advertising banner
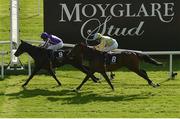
(147, 25)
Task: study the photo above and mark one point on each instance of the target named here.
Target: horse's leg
(89, 73)
(133, 63)
(36, 69)
(85, 70)
(143, 74)
(107, 79)
(112, 75)
(82, 83)
(54, 76)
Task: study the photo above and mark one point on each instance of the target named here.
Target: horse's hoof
(112, 76)
(56, 86)
(153, 85)
(97, 79)
(112, 89)
(173, 75)
(158, 84)
(76, 90)
(24, 85)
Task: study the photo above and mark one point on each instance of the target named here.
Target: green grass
(31, 24)
(132, 96)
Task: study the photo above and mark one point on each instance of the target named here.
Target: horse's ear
(22, 41)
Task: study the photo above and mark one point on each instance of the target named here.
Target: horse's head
(21, 49)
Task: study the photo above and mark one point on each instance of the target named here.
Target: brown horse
(102, 62)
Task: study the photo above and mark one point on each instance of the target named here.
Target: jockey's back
(54, 39)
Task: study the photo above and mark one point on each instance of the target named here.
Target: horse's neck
(93, 53)
(33, 51)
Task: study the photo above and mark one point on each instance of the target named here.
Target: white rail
(2, 53)
(5, 42)
(170, 53)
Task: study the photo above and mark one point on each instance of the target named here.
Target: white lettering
(110, 30)
(93, 9)
(164, 12)
(69, 16)
(103, 9)
(142, 10)
(112, 10)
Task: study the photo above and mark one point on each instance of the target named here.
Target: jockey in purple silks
(51, 41)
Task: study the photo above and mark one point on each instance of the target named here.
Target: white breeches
(112, 47)
(56, 47)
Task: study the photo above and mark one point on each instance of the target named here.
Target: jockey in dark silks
(51, 41)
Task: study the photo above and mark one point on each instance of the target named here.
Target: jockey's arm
(46, 44)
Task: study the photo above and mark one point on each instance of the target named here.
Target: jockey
(51, 41)
(104, 43)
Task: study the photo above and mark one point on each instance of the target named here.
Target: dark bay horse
(102, 62)
(47, 59)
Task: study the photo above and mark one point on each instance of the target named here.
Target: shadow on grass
(71, 97)
(25, 71)
(28, 93)
(87, 98)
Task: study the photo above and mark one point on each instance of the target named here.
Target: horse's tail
(148, 59)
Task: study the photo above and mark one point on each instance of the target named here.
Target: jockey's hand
(104, 53)
(42, 44)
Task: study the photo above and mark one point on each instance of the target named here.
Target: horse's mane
(90, 49)
(35, 47)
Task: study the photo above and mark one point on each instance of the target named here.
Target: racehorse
(47, 59)
(102, 62)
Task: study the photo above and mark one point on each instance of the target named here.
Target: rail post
(29, 65)
(170, 66)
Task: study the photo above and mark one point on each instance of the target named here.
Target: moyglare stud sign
(148, 25)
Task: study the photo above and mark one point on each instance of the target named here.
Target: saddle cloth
(57, 55)
(110, 58)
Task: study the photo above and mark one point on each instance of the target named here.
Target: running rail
(2, 53)
(170, 53)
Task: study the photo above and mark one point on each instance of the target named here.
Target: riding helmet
(97, 36)
(95, 40)
(44, 35)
